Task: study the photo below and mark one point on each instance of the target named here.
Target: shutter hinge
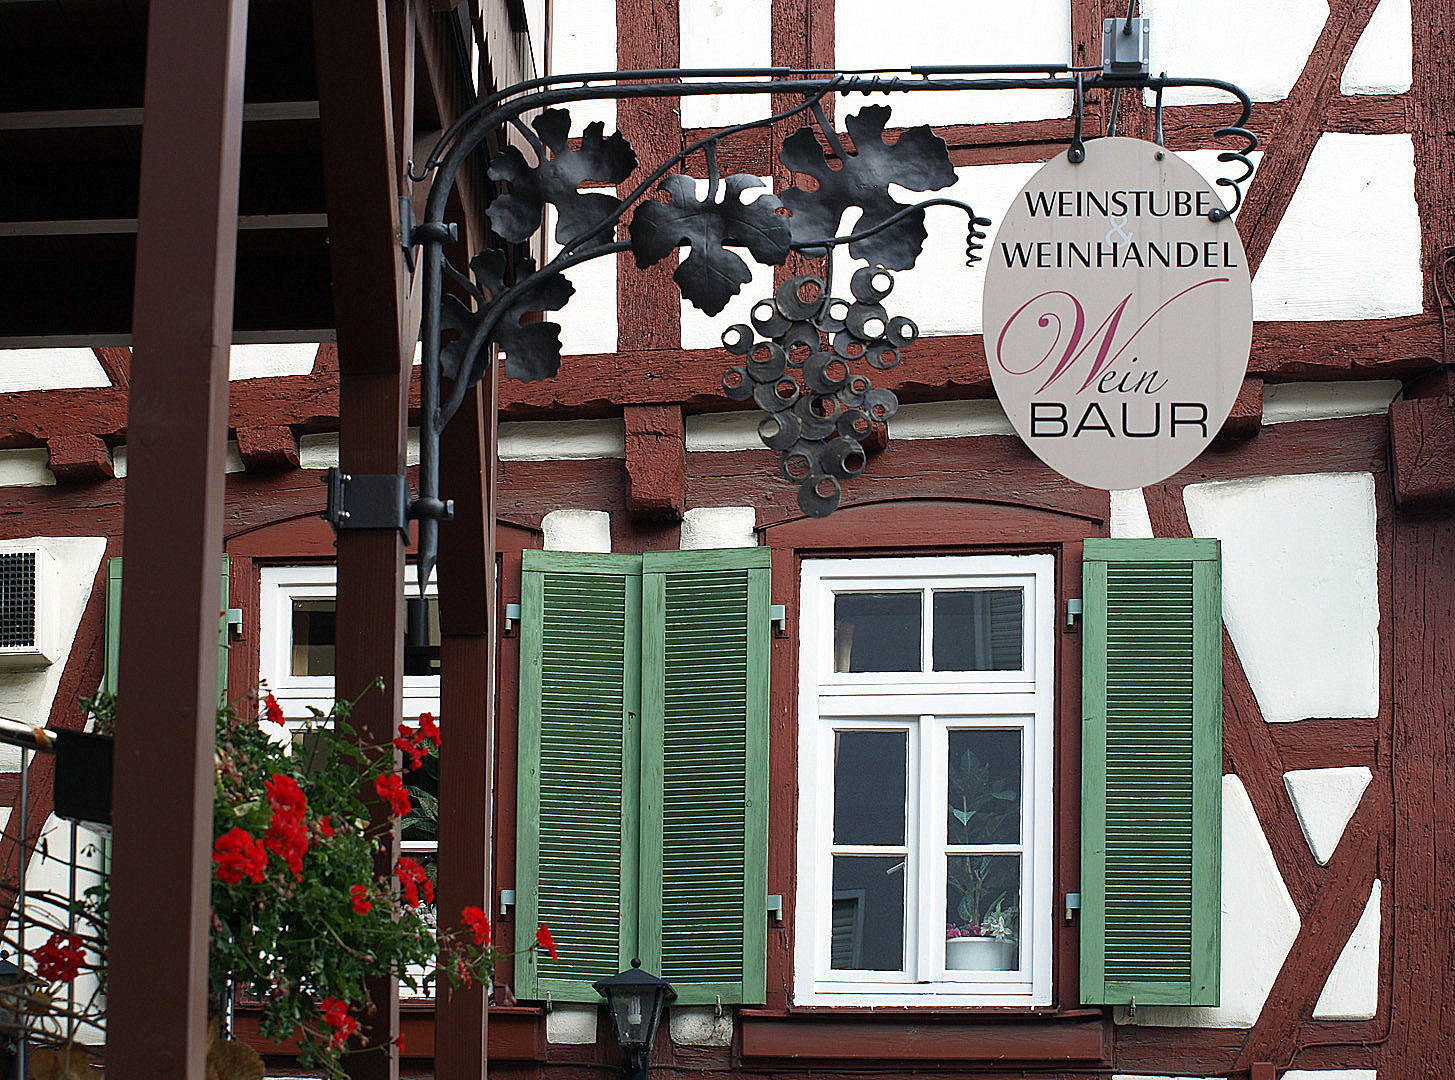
(1073, 905)
(775, 907)
(507, 901)
(778, 616)
(235, 619)
(512, 616)
(1073, 612)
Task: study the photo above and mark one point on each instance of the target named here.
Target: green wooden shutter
(580, 672)
(113, 629)
(704, 772)
(1151, 824)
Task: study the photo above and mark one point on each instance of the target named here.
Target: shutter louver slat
(1152, 759)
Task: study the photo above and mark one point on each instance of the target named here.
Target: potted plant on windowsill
(986, 944)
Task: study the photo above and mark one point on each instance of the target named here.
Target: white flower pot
(981, 954)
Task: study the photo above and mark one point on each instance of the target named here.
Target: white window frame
(280, 586)
(929, 705)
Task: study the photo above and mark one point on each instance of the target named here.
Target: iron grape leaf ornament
(711, 275)
(556, 179)
(532, 352)
(919, 161)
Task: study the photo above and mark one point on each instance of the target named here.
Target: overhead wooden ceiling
(71, 80)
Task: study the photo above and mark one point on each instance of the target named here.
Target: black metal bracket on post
(796, 359)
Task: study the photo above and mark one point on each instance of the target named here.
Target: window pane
(314, 636)
(984, 786)
(877, 631)
(870, 772)
(868, 913)
(978, 630)
(982, 913)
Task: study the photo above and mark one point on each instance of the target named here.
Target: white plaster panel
(718, 527)
(49, 369)
(576, 530)
(1352, 992)
(1288, 402)
(1300, 588)
(572, 1025)
(27, 696)
(722, 431)
(1382, 61)
(949, 419)
(232, 458)
(561, 440)
(1260, 924)
(588, 321)
(26, 468)
(699, 1025)
(1212, 39)
(867, 35)
(1129, 517)
(941, 294)
(271, 360)
(583, 38)
(1321, 264)
(725, 33)
(320, 451)
(49, 871)
(1323, 801)
(1330, 1074)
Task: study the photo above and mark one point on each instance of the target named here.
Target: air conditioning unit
(28, 622)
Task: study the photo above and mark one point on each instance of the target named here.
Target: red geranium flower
(60, 958)
(272, 711)
(479, 924)
(545, 941)
(237, 856)
(408, 745)
(360, 896)
(414, 880)
(325, 826)
(285, 796)
(428, 729)
(391, 790)
(287, 837)
(336, 1015)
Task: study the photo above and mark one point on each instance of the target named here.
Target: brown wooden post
(177, 431)
(361, 182)
(467, 703)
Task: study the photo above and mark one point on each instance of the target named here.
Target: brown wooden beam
(656, 460)
(467, 703)
(181, 332)
(361, 154)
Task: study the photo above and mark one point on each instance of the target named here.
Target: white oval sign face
(1118, 318)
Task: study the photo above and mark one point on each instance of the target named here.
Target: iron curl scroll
(819, 424)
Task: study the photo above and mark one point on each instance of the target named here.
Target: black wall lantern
(636, 999)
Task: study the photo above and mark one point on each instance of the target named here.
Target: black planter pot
(83, 779)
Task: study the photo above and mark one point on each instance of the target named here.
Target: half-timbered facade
(918, 734)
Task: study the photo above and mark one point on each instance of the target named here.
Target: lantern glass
(635, 999)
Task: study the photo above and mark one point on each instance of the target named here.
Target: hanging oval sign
(1118, 318)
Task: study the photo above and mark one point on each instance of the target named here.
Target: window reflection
(877, 631)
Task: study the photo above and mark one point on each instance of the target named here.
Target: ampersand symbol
(1116, 231)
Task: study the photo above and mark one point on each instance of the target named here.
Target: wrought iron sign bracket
(374, 501)
(797, 354)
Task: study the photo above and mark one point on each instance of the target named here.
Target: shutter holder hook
(549, 1004)
(717, 1011)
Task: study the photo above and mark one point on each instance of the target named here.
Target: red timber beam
(366, 134)
(182, 332)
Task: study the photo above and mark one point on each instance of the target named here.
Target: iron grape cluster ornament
(818, 425)
(1118, 314)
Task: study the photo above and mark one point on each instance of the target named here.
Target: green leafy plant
(300, 920)
(981, 807)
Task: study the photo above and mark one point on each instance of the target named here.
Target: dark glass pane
(984, 786)
(982, 912)
(868, 913)
(870, 775)
(314, 635)
(877, 631)
(978, 630)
